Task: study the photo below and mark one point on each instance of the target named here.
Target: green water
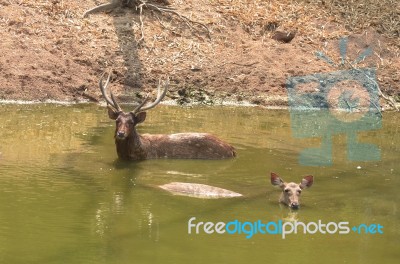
(65, 198)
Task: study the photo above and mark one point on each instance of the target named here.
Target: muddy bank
(50, 52)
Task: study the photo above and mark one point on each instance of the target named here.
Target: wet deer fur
(133, 146)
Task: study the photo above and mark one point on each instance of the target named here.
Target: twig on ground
(100, 8)
(140, 7)
(238, 64)
(245, 65)
(89, 96)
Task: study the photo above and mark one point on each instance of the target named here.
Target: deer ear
(112, 113)
(140, 117)
(276, 180)
(306, 182)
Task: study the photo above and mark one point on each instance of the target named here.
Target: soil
(50, 52)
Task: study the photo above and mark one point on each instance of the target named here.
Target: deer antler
(103, 90)
(160, 96)
(114, 104)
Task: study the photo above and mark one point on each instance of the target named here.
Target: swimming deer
(132, 146)
(291, 191)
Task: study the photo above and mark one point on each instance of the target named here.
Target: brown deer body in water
(291, 191)
(132, 146)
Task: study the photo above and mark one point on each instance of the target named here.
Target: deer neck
(131, 148)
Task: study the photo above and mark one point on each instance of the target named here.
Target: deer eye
(287, 190)
(299, 191)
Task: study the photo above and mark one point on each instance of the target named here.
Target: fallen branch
(103, 7)
(140, 5)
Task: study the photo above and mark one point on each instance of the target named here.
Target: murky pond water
(65, 198)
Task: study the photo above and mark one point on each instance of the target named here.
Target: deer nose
(294, 205)
(120, 134)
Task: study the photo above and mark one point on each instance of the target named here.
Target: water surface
(65, 198)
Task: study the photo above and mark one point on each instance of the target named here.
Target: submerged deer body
(133, 146)
(197, 190)
(291, 191)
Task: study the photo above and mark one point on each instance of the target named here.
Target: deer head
(127, 121)
(291, 191)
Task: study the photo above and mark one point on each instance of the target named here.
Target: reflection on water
(65, 198)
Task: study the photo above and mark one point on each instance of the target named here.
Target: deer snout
(294, 202)
(294, 205)
(120, 134)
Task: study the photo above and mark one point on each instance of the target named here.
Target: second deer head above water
(291, 191)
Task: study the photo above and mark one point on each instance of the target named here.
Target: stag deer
(291, 191)
(132, 146)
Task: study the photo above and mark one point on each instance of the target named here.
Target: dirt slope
(49, 51)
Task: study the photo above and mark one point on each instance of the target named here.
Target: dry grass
(356, 15)
(319, 22)
(310, 17)
(173, 47)
(316, 20)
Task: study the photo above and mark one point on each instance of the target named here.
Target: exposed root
(188, 22)
(144, 4)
